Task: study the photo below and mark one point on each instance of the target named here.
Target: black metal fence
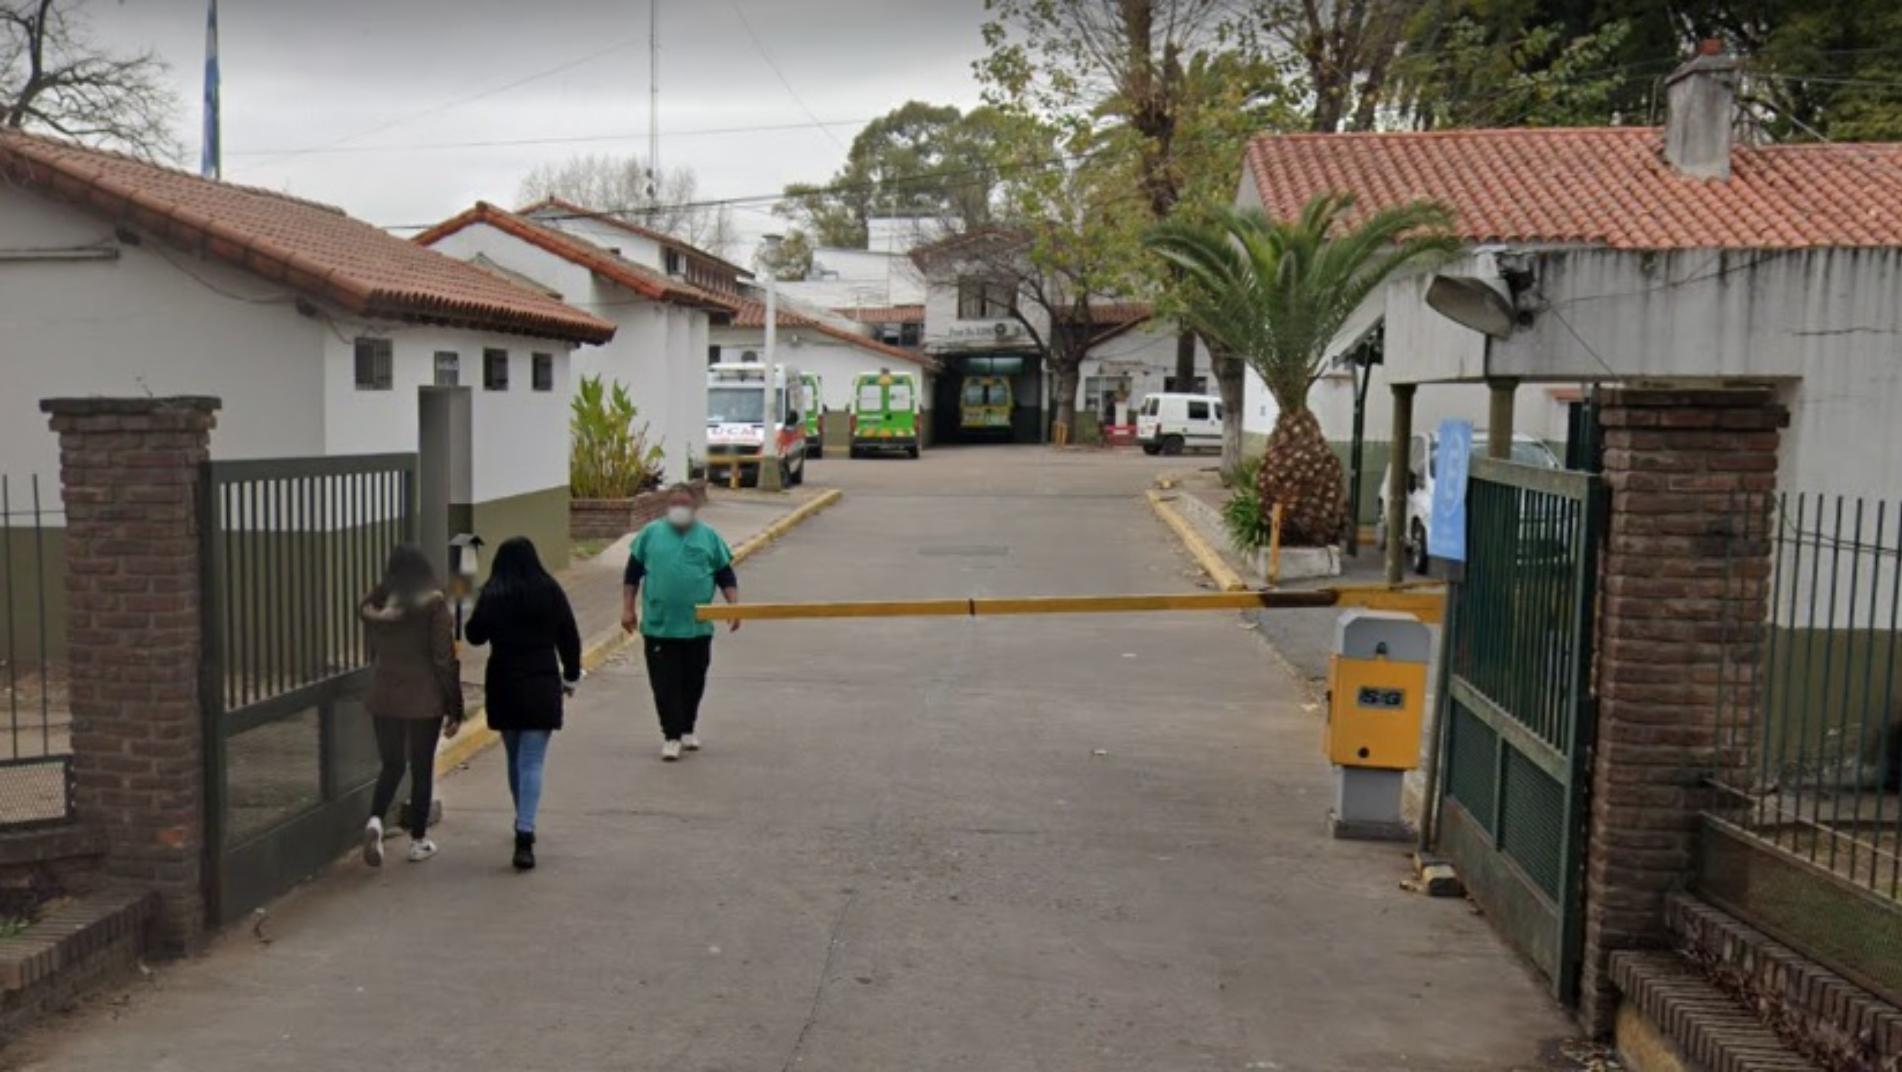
(1809, 757)
(290, 546)
(35, 739)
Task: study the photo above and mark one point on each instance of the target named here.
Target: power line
(834, 188)
(498, 143)
(471, 98)
(760, 47)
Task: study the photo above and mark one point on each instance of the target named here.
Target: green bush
(1248, 525)
(608, 458)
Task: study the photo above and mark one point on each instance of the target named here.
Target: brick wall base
(129, 474)
(1680, 578)
(610, 519)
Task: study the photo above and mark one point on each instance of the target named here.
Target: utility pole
(653, 104)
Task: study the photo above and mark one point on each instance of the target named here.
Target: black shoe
(524, 851)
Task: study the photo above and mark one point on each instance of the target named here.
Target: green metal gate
(1519, 722)
(289, 548)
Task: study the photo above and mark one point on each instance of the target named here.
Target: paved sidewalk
(912, 845)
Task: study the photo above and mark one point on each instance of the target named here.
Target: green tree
(1273, 294)
(919, 160)
(1065, 239)
(1153, 91)
(1462, 72)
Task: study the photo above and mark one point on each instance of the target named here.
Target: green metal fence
(1520, 717)
(1810, 698)
(290, 548)
(35, 738)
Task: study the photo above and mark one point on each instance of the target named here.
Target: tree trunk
(1063, 406)
(1231, 377)
(1301, 472)
(1185, 361)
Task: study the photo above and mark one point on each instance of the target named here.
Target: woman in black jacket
(534, 657)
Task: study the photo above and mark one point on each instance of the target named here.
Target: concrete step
(1830, 1014)
(74, 946)
(1666, 998)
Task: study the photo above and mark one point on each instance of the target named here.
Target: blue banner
(1452, 460)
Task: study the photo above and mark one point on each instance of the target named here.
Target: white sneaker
(373, 842)
(690, 743)
(421, 850)
(670, 751)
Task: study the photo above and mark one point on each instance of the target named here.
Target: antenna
(653, 102)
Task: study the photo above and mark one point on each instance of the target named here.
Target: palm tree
(1274, 293)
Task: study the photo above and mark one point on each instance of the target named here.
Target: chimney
(1700, 109)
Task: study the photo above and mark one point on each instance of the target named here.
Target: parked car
(1172, 423)
(1526, 450)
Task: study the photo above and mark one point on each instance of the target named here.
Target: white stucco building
(322, 335)
(1657, 254)
(662, 295)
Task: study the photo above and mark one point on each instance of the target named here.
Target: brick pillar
(129, 471)
(1683, 577)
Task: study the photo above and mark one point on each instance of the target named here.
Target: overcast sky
(386, 79)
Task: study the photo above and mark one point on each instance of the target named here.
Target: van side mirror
(1413, 480)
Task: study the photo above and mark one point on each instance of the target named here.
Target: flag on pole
(210, 164)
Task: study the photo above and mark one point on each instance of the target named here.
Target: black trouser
(406, 742)
(677, 669)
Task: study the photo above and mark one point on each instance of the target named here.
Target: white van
(1423, 458)
(1167, 423)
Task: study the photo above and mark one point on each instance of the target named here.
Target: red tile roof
(648, 282)
(1606, 186)
(884, 314)
(752, 314)
(562, 207)
(311, 248)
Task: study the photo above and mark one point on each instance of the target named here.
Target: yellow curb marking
(1211, 561)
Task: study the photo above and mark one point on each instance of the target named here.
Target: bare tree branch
(620, 186)
(53, 77)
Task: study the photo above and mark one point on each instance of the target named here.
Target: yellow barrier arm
(1427, 603)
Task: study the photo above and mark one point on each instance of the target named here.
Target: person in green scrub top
(676, 564)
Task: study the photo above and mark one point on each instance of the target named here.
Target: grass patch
(13, 926)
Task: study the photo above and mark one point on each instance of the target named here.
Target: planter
(1299, 563)
(610, 519)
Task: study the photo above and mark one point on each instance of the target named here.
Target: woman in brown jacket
(415, 692)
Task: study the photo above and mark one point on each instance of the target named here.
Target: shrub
(608, 458)
(1248, 525)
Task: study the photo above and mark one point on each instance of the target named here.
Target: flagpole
(211, 156)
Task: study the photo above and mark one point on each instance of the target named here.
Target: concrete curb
(1208, 558)
(476, 736)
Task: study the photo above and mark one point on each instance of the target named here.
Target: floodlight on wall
(1473, 303)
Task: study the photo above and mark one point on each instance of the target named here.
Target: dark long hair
(407, 577)
(517, 578)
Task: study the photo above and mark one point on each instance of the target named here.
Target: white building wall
(654, 352)
(1146, 355)
(155, 321)
(518, 437)
(1823, 324)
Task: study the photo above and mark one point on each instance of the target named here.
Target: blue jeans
(527, 750)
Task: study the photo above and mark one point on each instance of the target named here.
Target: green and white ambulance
(815, 415)
(884, 413)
